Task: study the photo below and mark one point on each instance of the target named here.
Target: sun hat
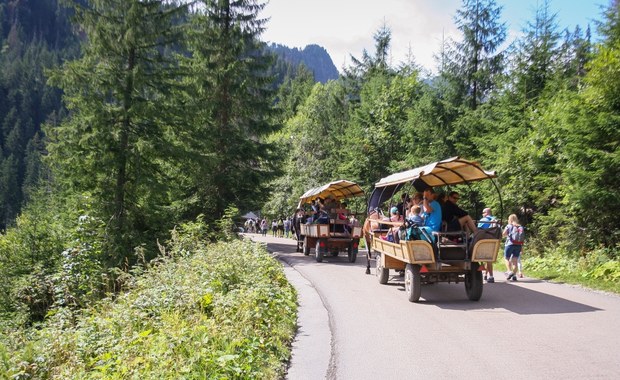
(394, 210)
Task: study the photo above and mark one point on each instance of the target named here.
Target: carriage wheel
(318, 254)
(473, 283)
(306, 247)
(351, 253)
(382, 273)
(413, 282)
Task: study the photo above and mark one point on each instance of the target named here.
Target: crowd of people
(440, 212)
(428, 210)
(280, 227)
(321, 211)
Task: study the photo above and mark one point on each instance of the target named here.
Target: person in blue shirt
(432, 211)
(487, 217)
(488, 221)
(414, 215)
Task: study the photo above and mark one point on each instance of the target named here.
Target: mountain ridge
(313, 56)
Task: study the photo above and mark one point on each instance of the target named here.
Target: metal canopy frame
(452, 171)
(341, 189)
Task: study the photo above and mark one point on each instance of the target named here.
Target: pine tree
(591, 131)
(472, 64)
(120, 137)
(232, 96)
(537, 56)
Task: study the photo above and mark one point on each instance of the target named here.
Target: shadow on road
(500, 295)
(508, 296)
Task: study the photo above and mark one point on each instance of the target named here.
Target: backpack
(516, 235)
(413, 231)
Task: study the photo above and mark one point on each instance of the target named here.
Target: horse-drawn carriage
(439, 256)
(334, 233)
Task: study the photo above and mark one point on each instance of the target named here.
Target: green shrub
(598, 269)
(223, 311)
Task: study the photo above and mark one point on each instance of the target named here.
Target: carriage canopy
(452, 171)
(341, 189)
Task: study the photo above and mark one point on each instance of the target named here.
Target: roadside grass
(221, 311)
(595, 271)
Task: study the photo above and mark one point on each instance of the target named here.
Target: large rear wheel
(413, 282)
(318, 253)
(381, 272)
(351, 253)
(473, 283)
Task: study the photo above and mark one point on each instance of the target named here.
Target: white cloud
(345, 27)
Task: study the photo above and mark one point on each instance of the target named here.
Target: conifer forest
(121, 120)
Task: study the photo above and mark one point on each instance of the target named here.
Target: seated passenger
(402, 205)
(455, 217)
(432, 212)
(414, 215)
(417, 199)
(395, 215)
(393, 231)
(487, 220)
(343, 214)
(329, 204)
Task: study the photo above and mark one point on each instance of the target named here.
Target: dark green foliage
(120, 137)
(293, 92)
(537, 58)
(231, 101)
(472, 64)
(25, 103)
(33, 38)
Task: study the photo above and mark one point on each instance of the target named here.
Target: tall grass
(221, 311)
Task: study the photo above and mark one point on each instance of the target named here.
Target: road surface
(351, 327)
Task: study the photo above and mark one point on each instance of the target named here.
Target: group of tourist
(428, 210)
(280, 227)
(439, 212)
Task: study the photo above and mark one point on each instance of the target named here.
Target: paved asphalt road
(351, 327)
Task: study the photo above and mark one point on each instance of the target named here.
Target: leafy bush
(599, 269)
(222, 311)
(29, 253)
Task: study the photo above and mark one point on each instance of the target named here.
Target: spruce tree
(537, 56)
(472, 63)
(232, 95)
(118, 141)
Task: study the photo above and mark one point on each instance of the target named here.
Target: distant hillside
(314, 57)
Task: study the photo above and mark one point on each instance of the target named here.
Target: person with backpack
(514, 233)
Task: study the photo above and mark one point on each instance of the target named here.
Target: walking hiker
(514, 233)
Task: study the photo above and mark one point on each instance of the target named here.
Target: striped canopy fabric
(452, 171)
(341, 189)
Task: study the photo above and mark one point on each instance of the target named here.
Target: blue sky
(345, 27)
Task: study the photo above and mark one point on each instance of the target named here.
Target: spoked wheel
(473, 283)
(382, 273)
(318, 254)
(413, 282)
(306, 247)
(351, 253)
